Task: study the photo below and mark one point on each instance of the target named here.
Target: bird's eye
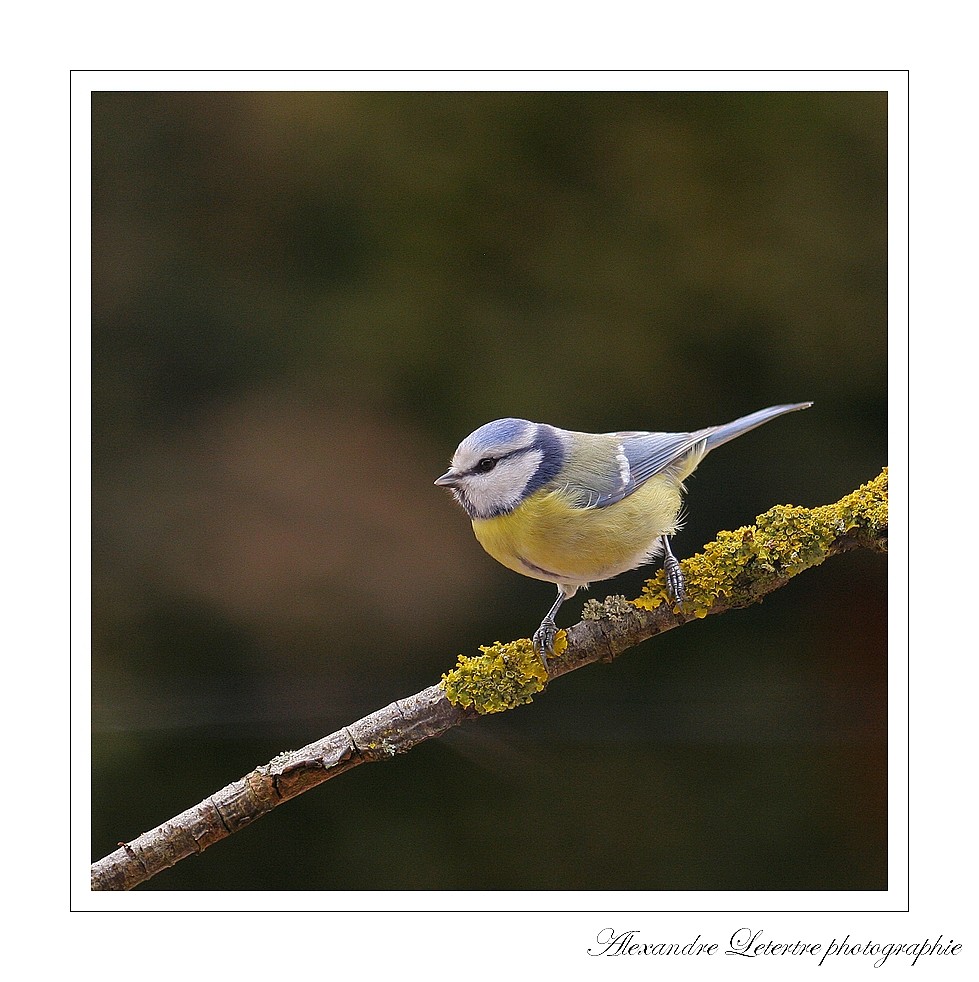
(486, 464)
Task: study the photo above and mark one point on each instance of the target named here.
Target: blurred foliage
(302, 301)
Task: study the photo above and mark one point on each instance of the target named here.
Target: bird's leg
(545, 634)
(674, 575)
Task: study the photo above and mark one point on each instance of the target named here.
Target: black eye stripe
(485, 464)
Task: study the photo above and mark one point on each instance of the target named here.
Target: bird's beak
(448, 480)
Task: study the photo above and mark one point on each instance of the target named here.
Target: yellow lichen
(784, 541)
(502, 677)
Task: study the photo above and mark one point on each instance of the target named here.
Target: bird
(576, 508)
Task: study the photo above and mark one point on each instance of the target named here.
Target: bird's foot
(544, 639)
(674, 579)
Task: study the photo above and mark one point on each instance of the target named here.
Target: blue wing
(610, 466)
(603, 468)
(636, 457)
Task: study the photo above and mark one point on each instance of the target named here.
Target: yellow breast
(547, 538)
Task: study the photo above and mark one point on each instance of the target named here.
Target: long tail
(716, 435)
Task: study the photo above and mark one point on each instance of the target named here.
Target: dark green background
(302, 302)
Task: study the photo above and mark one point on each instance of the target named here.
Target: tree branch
(735, 570)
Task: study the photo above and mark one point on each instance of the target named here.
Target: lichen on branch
(503, 677)
(740, 566)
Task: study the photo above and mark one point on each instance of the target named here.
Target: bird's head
(497, 466)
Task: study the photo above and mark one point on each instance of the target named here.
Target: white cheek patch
(501, 489)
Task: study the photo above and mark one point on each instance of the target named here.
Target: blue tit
(572, 508)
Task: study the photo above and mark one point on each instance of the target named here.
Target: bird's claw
(674, 579)
(544, 639)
